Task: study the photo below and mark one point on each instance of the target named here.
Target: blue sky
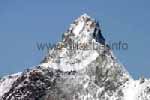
(25, 22)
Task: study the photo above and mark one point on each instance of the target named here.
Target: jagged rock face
(34, 80)
(80, 67)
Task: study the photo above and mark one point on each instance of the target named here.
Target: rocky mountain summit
(81, 66)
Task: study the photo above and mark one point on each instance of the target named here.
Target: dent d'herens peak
(80, 67)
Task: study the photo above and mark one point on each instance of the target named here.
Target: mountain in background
(80, 67)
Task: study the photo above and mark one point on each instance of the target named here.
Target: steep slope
(80, 67)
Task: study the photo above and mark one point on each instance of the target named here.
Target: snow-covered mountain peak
(84, 29)
(76, 69)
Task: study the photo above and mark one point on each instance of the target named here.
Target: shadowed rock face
(73, 70)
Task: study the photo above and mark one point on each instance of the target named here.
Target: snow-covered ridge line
(6, 83)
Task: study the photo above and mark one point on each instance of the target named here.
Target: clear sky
(25, 22)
